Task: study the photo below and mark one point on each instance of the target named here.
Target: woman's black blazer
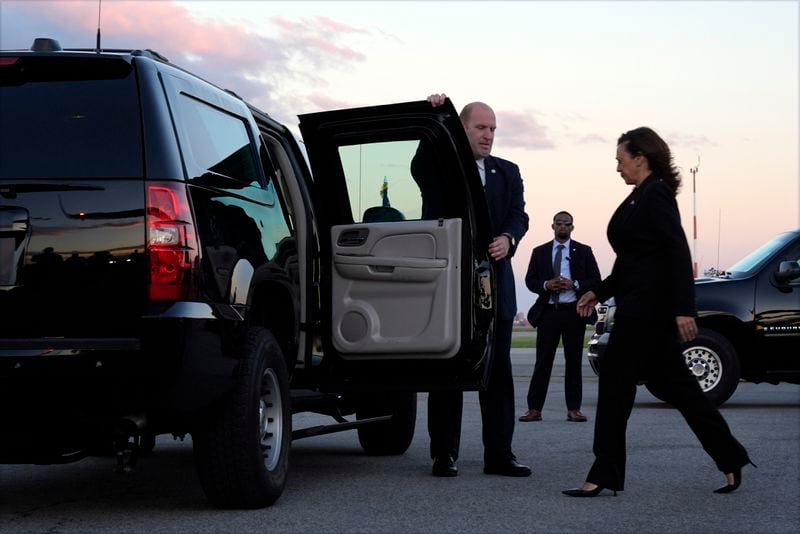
(652, 275)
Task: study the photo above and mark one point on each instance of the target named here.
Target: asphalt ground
(334, 487)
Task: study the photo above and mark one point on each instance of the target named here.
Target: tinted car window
(378, 176)
(396, 180)
(218, 141)
(69, 118)
(761, 254)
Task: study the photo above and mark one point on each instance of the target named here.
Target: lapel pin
(493, 171)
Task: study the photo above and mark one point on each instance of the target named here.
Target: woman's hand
(586, 304)
(687, 328)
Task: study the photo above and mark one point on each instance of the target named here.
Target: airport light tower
(694, 170)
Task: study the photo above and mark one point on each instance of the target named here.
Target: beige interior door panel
(396, 289)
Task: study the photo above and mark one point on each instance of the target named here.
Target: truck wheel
(393, 436)
(242, 450)
(712, 360)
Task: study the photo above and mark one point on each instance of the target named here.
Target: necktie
(557, 268)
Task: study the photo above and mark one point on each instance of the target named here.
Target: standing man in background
(504, 195)
(560, 271)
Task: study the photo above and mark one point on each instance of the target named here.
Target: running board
(339, 427)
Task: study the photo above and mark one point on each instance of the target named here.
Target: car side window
(218, 141)
(379, 182)
(388, 170)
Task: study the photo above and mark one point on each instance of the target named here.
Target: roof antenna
(99, 5)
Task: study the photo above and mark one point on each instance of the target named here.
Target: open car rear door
(406, 285)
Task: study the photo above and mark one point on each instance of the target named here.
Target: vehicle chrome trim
(15, 348)
(185, 310)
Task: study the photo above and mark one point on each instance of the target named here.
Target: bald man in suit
(504, 196)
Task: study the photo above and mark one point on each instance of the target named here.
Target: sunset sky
(718, 80)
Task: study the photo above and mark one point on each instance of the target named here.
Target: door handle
(353, 238)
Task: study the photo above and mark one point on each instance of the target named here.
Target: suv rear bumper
(172, 374)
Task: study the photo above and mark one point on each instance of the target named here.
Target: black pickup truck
(170, 265)
(748, 319)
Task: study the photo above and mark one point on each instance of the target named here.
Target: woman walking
(653, 286)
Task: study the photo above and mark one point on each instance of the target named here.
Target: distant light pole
(694, 170)
(719, 231)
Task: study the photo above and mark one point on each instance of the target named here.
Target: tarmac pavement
(334, 487)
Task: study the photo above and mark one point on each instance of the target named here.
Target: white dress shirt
(568, 295)
(481, 170)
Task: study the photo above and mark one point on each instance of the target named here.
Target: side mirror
(788, 271)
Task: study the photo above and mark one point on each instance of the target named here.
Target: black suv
(748, 318)
(168, 265)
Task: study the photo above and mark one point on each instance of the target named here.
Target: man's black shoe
(507, 468)
(444, 466)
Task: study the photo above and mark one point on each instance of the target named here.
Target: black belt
(563, 305)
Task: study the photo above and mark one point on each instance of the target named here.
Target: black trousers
(557, 323)
(497, 407)
(638, 349)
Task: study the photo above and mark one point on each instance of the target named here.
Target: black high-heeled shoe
(737, 481)
(578, 492)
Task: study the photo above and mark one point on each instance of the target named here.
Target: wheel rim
(705, 365)
(270, 413)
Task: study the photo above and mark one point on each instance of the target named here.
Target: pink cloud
(257, 67)
(688, 140)
(343, 52)
(570, 117)
(523, 130)
(307, 37)
(338, 26)
(592, 138)
(287, 25)
(325, 102)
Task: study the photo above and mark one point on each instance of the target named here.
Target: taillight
(171, 242)
(8, 61)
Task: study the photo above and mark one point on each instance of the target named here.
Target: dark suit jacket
(652, 274)
(582, 265)
(504, 195)
(504, 198)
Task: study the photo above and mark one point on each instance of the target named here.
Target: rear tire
(393, 436)
(242, 450)
(712, 360)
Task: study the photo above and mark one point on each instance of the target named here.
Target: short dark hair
(644, 141)
(571, 218)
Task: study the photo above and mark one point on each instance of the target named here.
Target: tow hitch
(126, 434)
